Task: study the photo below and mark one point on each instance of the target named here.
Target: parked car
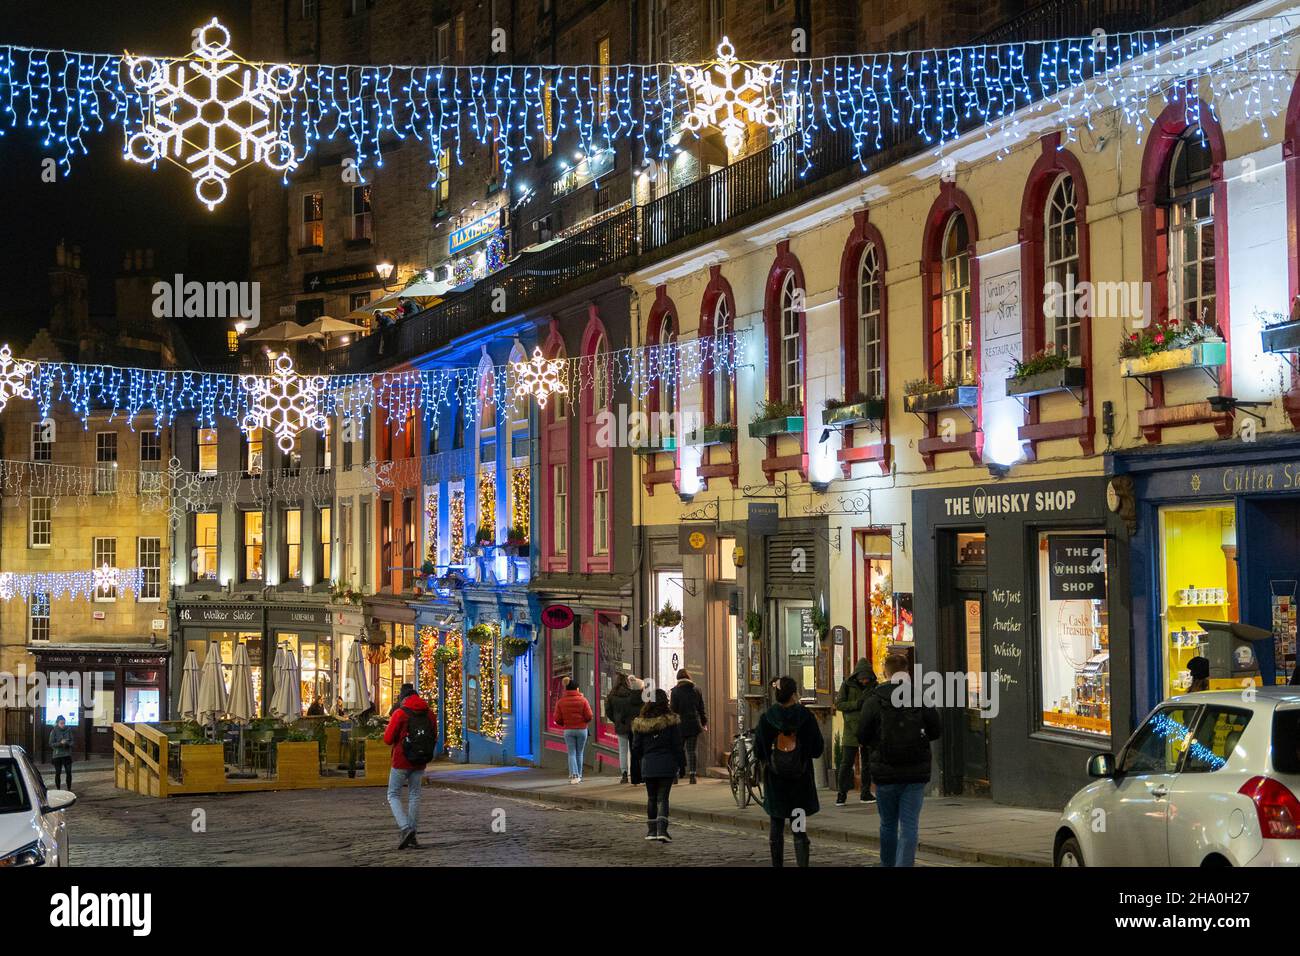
(32, 829)
(1208, 779)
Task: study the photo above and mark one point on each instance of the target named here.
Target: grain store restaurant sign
(1014, 593)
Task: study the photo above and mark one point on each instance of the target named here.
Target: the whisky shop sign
(1033, 502)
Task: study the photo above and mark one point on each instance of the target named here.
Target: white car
(1209, 779)
(32, 829)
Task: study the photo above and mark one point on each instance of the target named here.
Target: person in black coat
(688, 704)
(792, 798)
(657, 759)
(622, 706)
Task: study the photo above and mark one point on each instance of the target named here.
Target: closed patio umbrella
(277, 706)
(189, 702)
(287, 704)
(241, 707)
(212, 687)
(356, 689)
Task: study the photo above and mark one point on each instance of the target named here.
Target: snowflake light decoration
(539, 377)
(104, 578)
(283, 402)
(212, 112)
(728, 103)
(15, 377)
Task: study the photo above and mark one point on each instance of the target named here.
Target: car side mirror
(58, 800)
(1101, 765)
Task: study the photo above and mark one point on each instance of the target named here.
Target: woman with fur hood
(657, 760)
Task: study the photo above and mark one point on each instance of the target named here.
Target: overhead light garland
(56, 585)
(934, 94)
(15, 377)
(727, 102)
(539, 378)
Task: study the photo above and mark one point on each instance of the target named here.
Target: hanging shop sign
(694, 539)
(473, 233)
(345, 277)
(557, 616)
(763, 517)
(1076, 567)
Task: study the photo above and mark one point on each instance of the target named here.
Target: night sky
(108, 204)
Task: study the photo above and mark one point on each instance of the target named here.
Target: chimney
(69, 294)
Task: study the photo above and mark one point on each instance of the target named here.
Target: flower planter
(792, 425)
(1200, 355)
(716, 435)
(1282, 338)
(960, 396)
(666, 446)
(1066, 379)
(871, 410)
(516, 549)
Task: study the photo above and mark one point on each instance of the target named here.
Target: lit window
(205, 546)
(293, 543)
(206, 450)
(791, 343)
(149, 561)
(560, 517)
(362, 221)
(105, 463)
(600, 506)
(325, 536)
(313, 221)
(252, 531)
(956, 362)
(40, 525)
(1061, 267)
(869, 366)
(104, 552)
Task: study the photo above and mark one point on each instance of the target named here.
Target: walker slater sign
(1076, 567)
(218, 614)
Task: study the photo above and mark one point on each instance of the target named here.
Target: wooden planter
(960, 396)
(1069, 379)
(1200, 355)
(792, 425)
(1282, 338)
(870, 410)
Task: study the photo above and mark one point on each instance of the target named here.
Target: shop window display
(315, 666)
(1198, 583)
(1074, 632)
(394, 669)
(559, 665)
(227, 640)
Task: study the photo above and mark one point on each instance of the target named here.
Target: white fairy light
(284, 403)
(15, 377)
(539, 377)
(728, 103)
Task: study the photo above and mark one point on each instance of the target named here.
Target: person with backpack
(412, 732)
(898, 731)
(788, 740)
(622, 706)
(658, 758)
(849, 703)
(572, 714)
(687, 703)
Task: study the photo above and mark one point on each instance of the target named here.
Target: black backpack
(902, 736)
(786, 758)
(421, 738)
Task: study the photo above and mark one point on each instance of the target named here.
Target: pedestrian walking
(622, 706)
(61, 753)
(412, 732)
(898, 732)
(658, 757)
(687, 703)
(572, 715)
(788, 740)
(853, 692)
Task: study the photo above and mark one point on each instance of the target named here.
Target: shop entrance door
(968, 646)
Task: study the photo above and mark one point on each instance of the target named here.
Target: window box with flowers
(1172, 347)
(516, 544)
(922, 395)
(483, 539)
(777, 418)
(856, 410)
(1044, 372)
(721, 434)
(1282, 333)
(667, 444)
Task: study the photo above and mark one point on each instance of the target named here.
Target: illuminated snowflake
(539, 377)
(104, 578)
(726, 104)
(284, 403)
(212, 113)
(15, 377)
(6, 585)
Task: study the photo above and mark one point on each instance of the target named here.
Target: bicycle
(744, 770)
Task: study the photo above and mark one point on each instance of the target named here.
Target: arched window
(597, 488)
(600, 384)
(1191, 230)
(791, 332)
(870, 369)
(668, 375)
(955, 361)
(1061, 269)
(556, 500)
(722, 383)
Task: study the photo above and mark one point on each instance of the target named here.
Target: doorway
(963, 649)
(974, 726)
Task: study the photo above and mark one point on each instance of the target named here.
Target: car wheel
(1068, 853)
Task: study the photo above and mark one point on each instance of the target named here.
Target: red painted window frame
(1050, 165)
(783, 265)
(591, 452)
(652, 474)
(555, 451)
(718, 289)
(864, 234)
(950, 201)
(1164, 135)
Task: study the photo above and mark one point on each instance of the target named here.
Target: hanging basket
(479, 634)
(402, 652)
(513, 648)
(668, 617)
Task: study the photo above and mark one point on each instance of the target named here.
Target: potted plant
(1171, 346)
(776, 418)
(1047, 370)
(667, 617)
(516, 541)
(484, 538)
(820, 622)
(922, 395)
(754, 624)
(402, 652)
(858, 407)
(479, 634)
(513, 648)
(1282, 332)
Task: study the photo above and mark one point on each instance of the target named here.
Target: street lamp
(385, 272)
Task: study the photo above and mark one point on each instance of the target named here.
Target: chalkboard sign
(1076, 567)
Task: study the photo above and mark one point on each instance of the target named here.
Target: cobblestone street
(355, 828)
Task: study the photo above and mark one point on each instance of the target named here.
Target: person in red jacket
(410, 706)
(573, 714)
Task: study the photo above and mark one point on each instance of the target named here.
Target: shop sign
(299, 616)
(1235, 479)
(159, 624)
(346, 277)
(219, 615)
(981, 503)
(763, 518)
(474, 232)
(694, 539)
(557, 616)
(1076, 567)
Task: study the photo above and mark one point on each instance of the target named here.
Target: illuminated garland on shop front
(454, 709)
(492, 724)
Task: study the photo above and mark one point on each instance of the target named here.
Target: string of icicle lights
(163, 394)
(67, 96)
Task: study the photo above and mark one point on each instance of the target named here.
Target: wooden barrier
(124, 760)
(151, 761)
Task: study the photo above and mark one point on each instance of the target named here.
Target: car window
(1158, 746)
(38, 782)
(1216, 738)
(1286, 741)
(13, 795)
